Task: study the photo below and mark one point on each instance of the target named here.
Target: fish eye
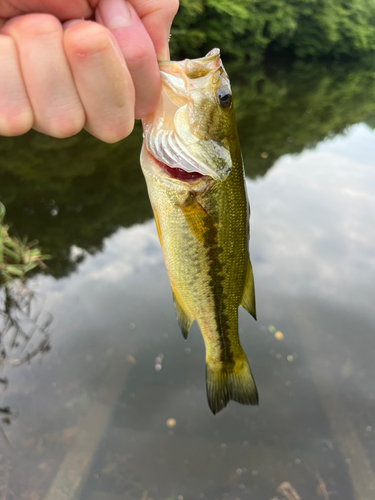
(224, 97)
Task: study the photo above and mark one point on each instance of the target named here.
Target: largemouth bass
(192, 163)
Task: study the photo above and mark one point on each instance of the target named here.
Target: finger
(120, 17)
(102, 79)
(49, 83)
(63, 10)
(16, 115)
(157, 17)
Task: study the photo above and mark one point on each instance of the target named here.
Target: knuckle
(167, 9)
(112, 134)
(139, 55)
(15, 122)
(38, 25)
(173, 6)
(7, 45)
(144, 108)
(66, 125)
(143, 111)
(87, 38)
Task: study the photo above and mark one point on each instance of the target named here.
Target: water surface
(91, 419)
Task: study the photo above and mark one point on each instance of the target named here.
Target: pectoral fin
(156, 217)
(248, 297)
(184, 319)
(199, 222)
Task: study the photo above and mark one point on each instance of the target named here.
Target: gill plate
(180, 148)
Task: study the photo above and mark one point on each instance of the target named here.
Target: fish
(191, 160)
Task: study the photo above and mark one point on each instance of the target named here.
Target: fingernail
(70, 23)
(116, 14)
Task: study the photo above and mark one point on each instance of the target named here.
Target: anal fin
(248, 297)
(184, 319)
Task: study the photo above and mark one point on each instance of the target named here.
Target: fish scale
(203, 221)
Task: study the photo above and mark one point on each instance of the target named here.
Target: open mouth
(176, 172)
(172, 133)
(171, 141)
(162, 145)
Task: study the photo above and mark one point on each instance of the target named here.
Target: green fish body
(192, 163)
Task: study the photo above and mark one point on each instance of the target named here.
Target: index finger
(157, 17)
(69, 9)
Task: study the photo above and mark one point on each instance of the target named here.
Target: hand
(98, 75)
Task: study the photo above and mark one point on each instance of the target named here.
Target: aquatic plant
(17, 257)
(17, 322)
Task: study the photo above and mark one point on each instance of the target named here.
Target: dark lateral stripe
(221, 316)
(216, 273)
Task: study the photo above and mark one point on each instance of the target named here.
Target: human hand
(59, 78)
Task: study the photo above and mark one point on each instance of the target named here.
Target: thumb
(156, 17)
(122, 20)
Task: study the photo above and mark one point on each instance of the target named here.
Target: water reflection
(93, 416)
(24, 334)
(78, 191)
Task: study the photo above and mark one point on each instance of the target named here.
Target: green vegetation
(18, 323)
(17, 257)
(247, 28)
(78, 191)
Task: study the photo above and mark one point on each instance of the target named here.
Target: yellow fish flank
(192, 163)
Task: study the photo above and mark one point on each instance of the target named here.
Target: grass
(17, 257)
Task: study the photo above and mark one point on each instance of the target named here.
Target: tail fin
(233, 382)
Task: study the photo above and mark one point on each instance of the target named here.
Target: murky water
(96, 418)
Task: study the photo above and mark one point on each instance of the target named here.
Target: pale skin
(60, 73)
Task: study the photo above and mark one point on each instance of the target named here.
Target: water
(117, 409)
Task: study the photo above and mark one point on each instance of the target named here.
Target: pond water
(117, 408)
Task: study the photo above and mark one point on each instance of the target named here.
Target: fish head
(193, 127)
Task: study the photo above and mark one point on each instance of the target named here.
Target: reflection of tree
(78, 191)
(19, 326)
(291, 111)
(23, 336)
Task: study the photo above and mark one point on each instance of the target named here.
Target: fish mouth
(170, 140)
(180, 77)
(177, 173)
(169, 137)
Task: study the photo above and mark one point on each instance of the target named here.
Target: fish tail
(230, 382)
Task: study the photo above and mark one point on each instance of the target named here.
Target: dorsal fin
(248, 297)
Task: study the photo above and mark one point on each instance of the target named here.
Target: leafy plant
(17, 257)
(18, 324)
